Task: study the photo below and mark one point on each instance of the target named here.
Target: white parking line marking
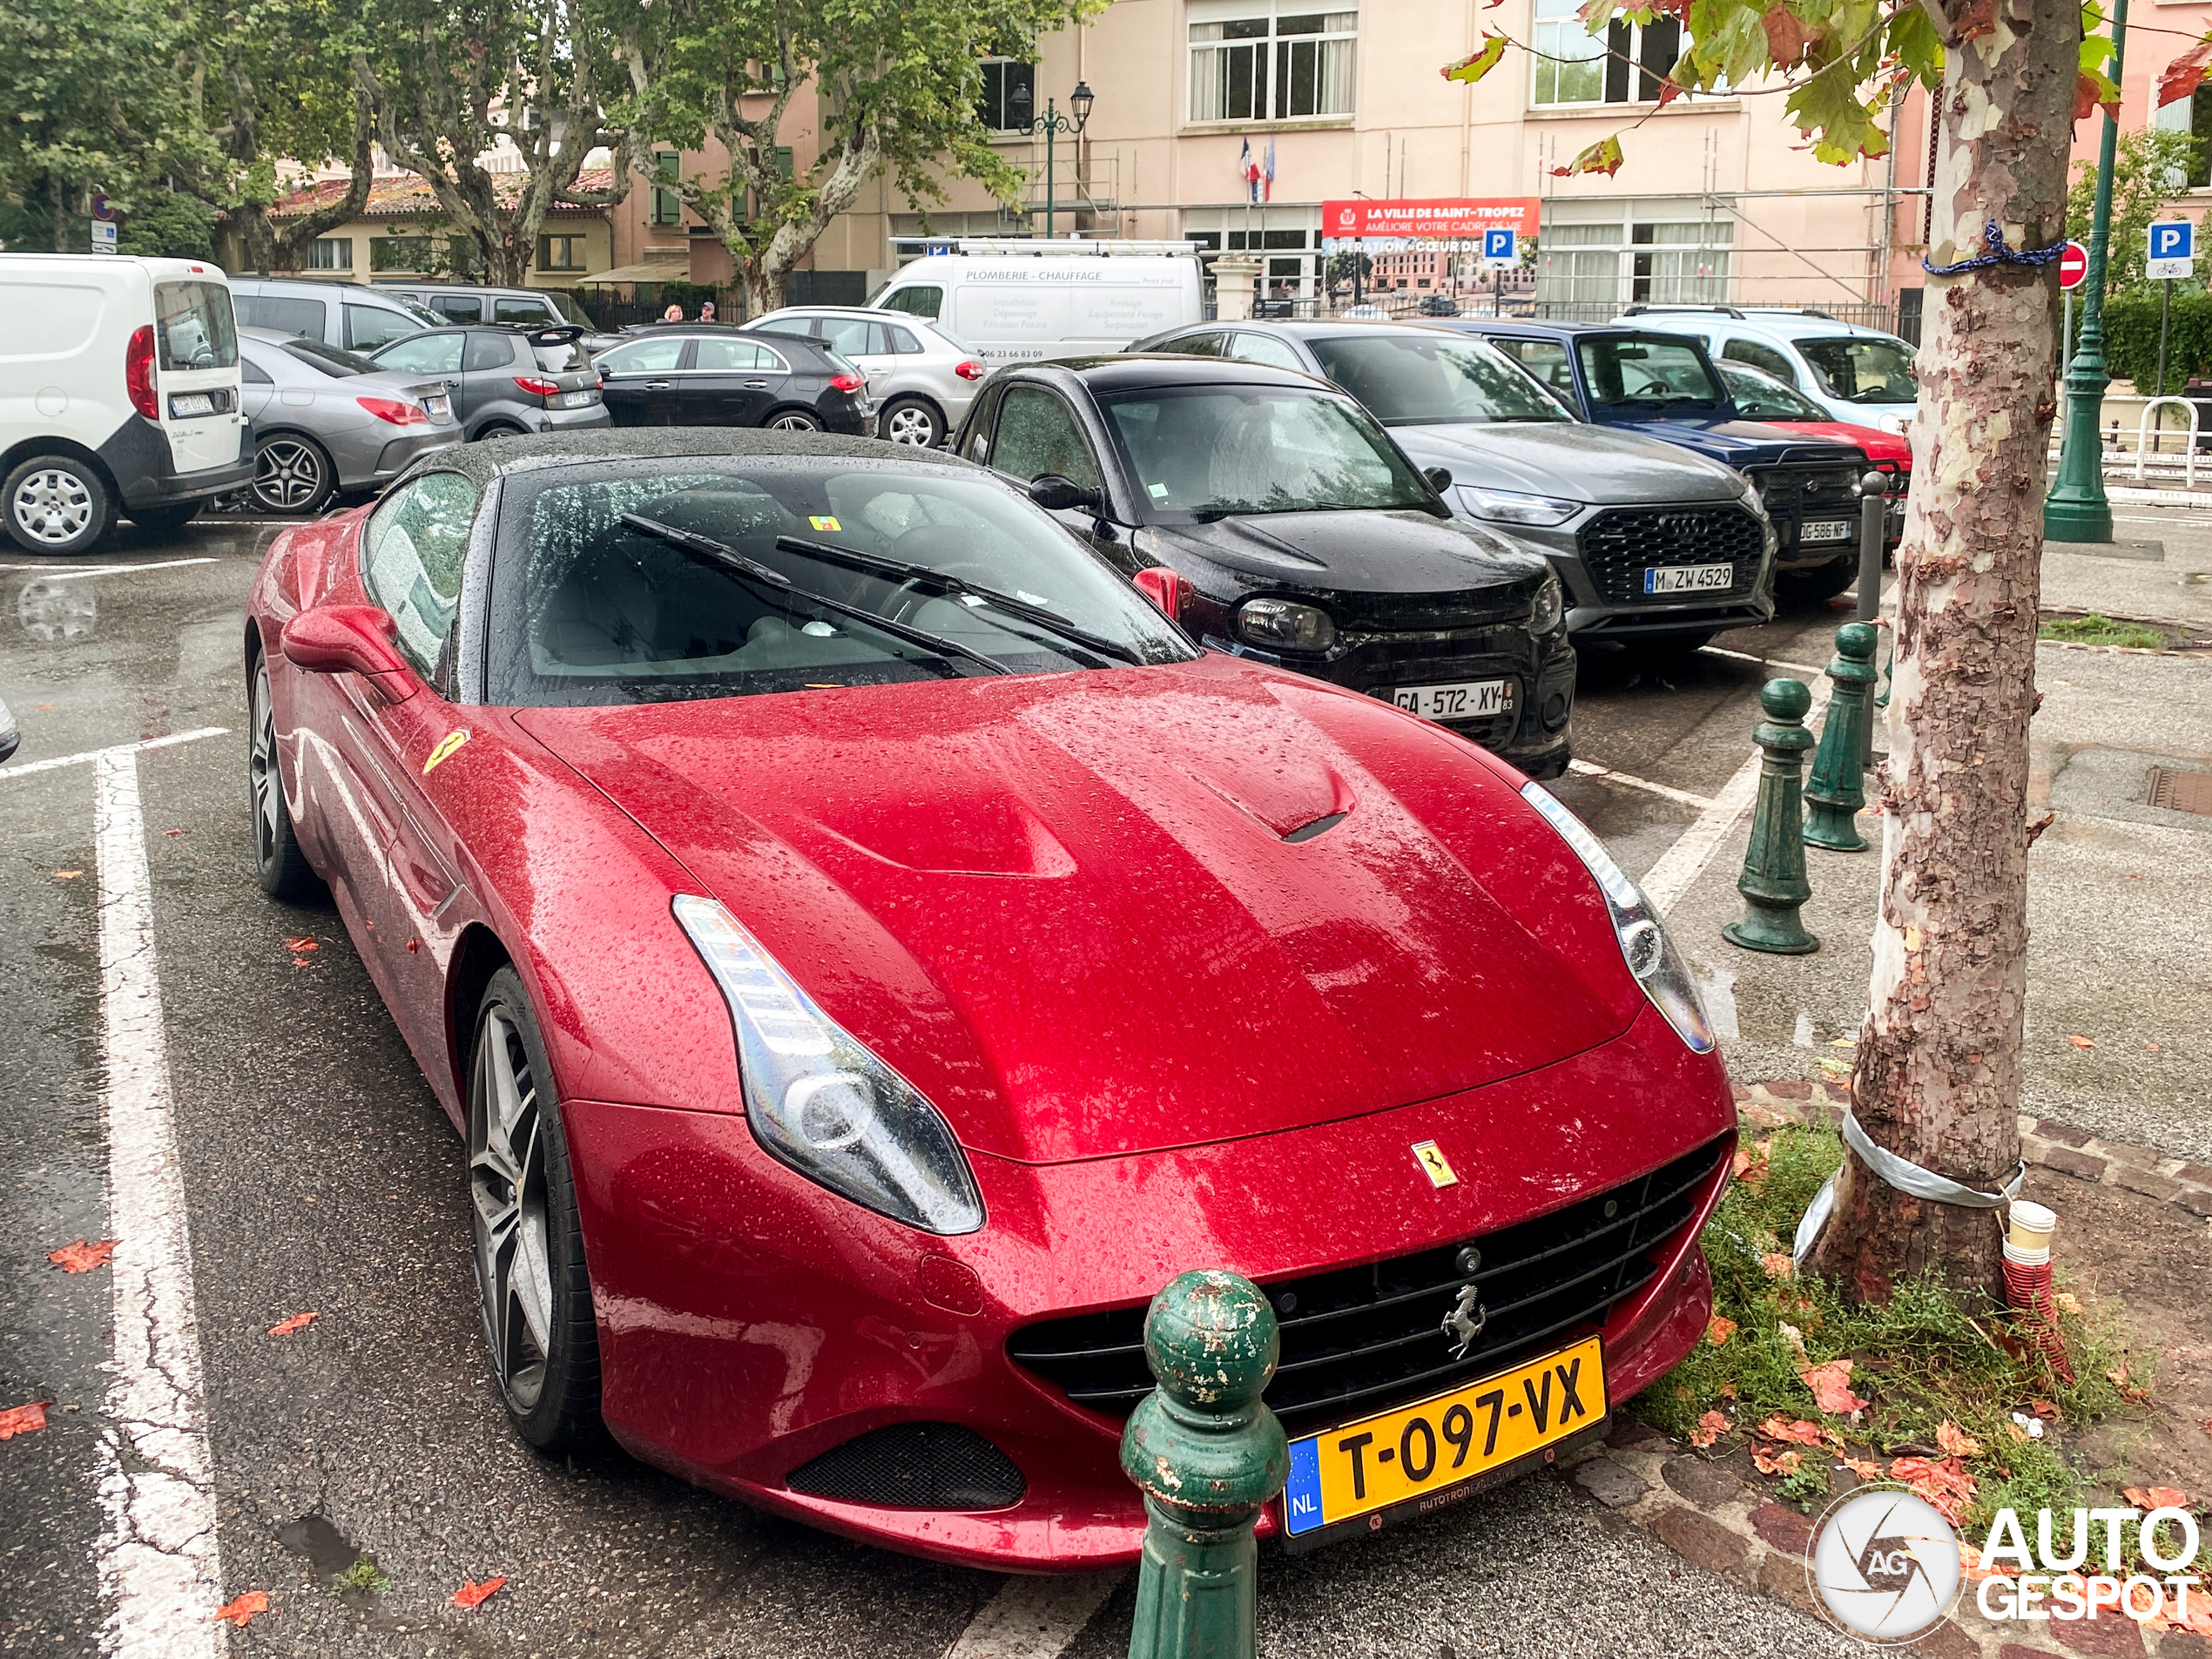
(96, 755)
(1764, 662)
(1035, 1618)
(159, 1566)
(1591, 769)
(1681, 864)
(102, 569)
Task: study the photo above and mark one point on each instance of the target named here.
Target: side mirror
(11, 736)
(1164, 588)
(1440, 478)
(1058, 494)
(357, 639)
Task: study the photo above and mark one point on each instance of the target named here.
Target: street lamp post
(1052, 124)
(2076, 509)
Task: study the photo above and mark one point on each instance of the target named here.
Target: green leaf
(1473, 67)
(1603, 156)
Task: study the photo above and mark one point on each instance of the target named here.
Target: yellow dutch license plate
(1420, 1450)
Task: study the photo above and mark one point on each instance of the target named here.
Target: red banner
(1437, 216)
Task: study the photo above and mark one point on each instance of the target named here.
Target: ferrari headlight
(822, 1103)
(1649, 953)
(1512, 507)
(1550, 606)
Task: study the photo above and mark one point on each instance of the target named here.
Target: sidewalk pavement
(2148, 572)
(2120, 916)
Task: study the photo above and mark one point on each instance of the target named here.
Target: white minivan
(118, 396)
(1018, 300)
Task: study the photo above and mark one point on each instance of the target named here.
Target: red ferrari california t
(867, 950)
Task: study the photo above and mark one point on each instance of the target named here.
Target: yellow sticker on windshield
(823, 522)
(447, 744)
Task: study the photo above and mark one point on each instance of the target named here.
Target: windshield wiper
(724, 556)
(878, 564)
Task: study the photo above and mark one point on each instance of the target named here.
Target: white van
(1017, 300)
(118, 396)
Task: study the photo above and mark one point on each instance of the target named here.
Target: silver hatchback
(919, 378)
(326, 420)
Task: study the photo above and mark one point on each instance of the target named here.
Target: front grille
(1795, 493)
(914, 1466)
(1622, 543)
(1362, 1338)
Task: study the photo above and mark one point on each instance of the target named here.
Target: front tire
(1821, 581)
(531, 1285)
(279, 864)
(910, 420)
(292, 475)
(56, 505)
(794, 420)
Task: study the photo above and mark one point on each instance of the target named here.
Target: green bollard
(1773, 883)
(1838, 789)
(1209, 1457)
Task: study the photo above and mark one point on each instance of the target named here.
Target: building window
(1009, 95)
(1623, 66)
(560, 253)
(1269, 60)
(331, 253)
(2192, 115)
(1586, 270)
(668, 206)
(399, 253)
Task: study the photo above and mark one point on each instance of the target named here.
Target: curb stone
(2044, 1142)
(1701, 1511)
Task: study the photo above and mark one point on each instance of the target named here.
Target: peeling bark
(1938, 1068)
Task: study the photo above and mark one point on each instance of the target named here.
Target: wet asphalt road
(321, 1177)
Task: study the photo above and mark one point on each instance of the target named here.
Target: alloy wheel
(792, 421)
(52, 506)
(261, 768)
(288, 476)
(507, 1191)
(912, 424)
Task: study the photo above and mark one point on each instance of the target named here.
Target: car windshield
(595, 604)
(329, 359)
(1762, 397)
(419, 312)
(1862, 368)
(1407, 379)
(1208, 451)
(1640, 375)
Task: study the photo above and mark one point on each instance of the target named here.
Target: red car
(1761, 396)
(867, 950)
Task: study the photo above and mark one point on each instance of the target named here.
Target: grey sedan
(326, 420)
(919, 378)
(1655, 546)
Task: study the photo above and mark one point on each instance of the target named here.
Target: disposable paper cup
(2029, 1226)
(2015, 1254)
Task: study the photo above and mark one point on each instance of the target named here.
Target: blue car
(1664, 385)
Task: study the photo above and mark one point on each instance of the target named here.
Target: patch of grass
(1928, 1358)
(2094, 629)
(364, 1577)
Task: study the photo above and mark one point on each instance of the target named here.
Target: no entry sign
(2073, 266)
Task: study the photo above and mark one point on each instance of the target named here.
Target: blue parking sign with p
(2173, 239)
(1498, 244)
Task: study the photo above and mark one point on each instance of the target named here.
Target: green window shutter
(668, 206)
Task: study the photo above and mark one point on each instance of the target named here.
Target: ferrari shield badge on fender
(1434, 1164)
(447, 744)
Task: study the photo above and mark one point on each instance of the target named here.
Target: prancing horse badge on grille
(1463, 1324)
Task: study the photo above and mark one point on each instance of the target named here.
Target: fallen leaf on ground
(1830, 1386)
(240, 1611)
(174, 832)
(2069, 1303)
(1956, 1442)
(2081, 1042)
(1805, 1433)
(1727, 1391)
(477, 1595)
(2045, 1408)
(1720, 1330)
(82, 1257)
(1787, 1462)
(2156, 1497)
(1862, 1468)
(302, 944)
(297, 1322)
(2117, 1375)
(301, 962)
(1778, 1266)
(21, 1420)
(1946, 1485)
(67, 875)
(1710, 1428)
